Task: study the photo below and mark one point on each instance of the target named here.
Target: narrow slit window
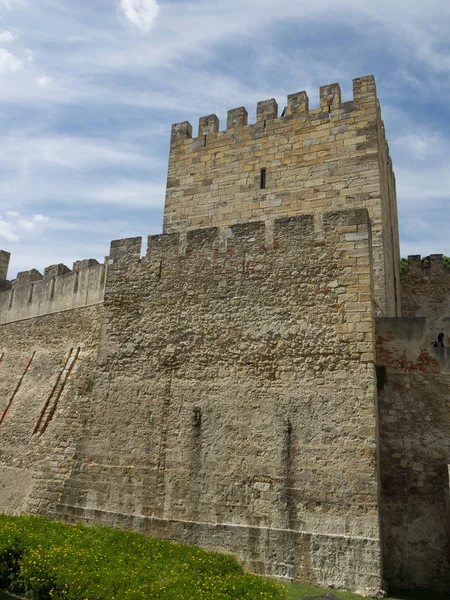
(204, 140)
(263, 179)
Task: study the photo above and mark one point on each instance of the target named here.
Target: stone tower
(304, 162)
(248, 384)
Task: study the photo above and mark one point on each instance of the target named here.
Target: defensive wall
(32, 294)
(223, 390)
(233, 403)
(426, 291)
(43, 364)
(49, 328)
(306, 161)
(414, 403)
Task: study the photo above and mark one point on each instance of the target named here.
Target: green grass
(46, 560)
(42, 559)
(296, 592)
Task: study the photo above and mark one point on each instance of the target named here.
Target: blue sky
(89, 90)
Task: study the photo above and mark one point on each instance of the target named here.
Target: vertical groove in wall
(49, 408)
(288, 476)
(196, 461)
(17, 388)
(161, 467)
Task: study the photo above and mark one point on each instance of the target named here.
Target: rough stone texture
(222, 402)
(15, 488)
(414, 400)
(55, 271)
(221, 391)
(329, 158)
(4, 264)
(45, 364)
(426, 292)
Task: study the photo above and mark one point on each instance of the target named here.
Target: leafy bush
(44, 559)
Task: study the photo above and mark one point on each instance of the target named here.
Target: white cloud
(40, 219)
(13, 225)
(6, 36)
(7, 231)
(95, 134)
(141, 13)
(43, 80)
(9, 63)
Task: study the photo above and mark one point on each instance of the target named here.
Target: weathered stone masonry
(332, 157)
(223, 390)
(426, 292)
(414, 399)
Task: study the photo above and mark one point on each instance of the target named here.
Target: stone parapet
(426, 291)
(32, 295)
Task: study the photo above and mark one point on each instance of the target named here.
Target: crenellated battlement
(292, 160)
(426, 290)
(32, 294)
(267, 117)
(432, 264)
(284, 235)
(230, 386)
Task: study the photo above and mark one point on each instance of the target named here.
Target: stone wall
(45, 364)
(234, 405)
(4, 264)
(414, 401)
(32, 294)
(426, 292)
(329, 158)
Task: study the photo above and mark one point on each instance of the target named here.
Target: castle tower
(306, 161)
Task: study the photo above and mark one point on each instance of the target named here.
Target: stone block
(330, 97)
(297, 103)
(55, 271)
(208, 125)
(237, 117)
(267, 110)
(181, 132)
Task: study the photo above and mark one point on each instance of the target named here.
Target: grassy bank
(297, 592)
(42, 560)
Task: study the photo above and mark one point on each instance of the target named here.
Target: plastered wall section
(45, 364)
(414, 400)
(317, 160)
(426, 292)
(234, 400)
(60, 289)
